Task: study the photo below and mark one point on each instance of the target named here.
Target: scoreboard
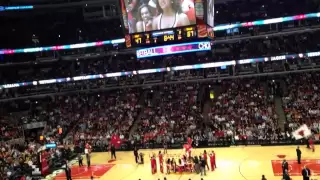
(181, 34)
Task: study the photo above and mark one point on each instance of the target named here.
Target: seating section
(175, 114)
(301, 102)
(107, 114)
(242, 108)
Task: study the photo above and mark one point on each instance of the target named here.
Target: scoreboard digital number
(137, 39)
(156, 37)
(168, 38)
(190, 32)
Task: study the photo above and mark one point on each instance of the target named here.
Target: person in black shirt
(136, 154)
(113, 152)
(298, 155)
(285, 166)
(306, 173)
(263, 177)
(202, 166)
(68, 171)
(286, 176)
(196, 165)
(80, 159)
(141, 158)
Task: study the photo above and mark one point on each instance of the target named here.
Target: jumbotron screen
(152, 15)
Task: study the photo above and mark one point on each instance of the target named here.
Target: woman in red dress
(168, 165)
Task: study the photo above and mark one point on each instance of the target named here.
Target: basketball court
(243, 163)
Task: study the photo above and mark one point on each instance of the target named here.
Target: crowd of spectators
(242, 108)
(17, 160)
(172, 115)
(301, 102)
(108, 114)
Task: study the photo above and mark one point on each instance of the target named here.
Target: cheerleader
(189, 141)
(161, 161)
(205, 157)
(153, 164)
(173, 165)
(180, 165)
(168, 165)
(213, 161)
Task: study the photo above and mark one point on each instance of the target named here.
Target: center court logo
(204, 45)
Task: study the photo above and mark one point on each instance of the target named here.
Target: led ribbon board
(14, 8)
(174, 49)
(221, 64)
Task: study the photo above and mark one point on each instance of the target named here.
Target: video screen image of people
(210, 13)
(151, 15)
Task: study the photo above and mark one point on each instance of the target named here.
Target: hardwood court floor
(243, 163)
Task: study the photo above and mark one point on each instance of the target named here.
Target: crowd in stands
(242, 108)
(171, 115)
(108, 114)
(301, 102)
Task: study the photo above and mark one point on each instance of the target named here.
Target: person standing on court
(68, 171)
(203, 166)
(87, 153)
(136, 154)
(298, 154)
(285, 166)
(286, 176)
(306, 173)
(88, 160)
(113, 152)
(80, 160)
